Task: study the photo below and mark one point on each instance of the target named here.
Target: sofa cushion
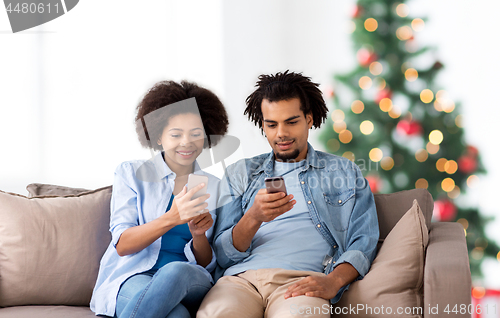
(391, 207)
(50, 247)
(395, 278)
(41, 189)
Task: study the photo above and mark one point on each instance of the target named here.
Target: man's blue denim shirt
(340, 203)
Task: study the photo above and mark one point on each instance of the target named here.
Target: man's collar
(311, 160)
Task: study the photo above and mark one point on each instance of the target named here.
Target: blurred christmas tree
(399, 126)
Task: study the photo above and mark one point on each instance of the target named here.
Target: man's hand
(314, 286)
(268, 206)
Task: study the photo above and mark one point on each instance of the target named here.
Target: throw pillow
(50, 247)
(393, 285)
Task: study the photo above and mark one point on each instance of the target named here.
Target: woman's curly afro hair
(162, 94)
(285, 86)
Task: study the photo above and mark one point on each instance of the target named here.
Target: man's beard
(287, 156)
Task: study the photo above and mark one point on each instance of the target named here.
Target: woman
(158, 264)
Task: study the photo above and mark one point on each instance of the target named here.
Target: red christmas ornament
(467, 164)
(472, 151)
(385, 93)
(365, 57)
(357, 11)
(444, 210)
(409, 128)
(374, 182)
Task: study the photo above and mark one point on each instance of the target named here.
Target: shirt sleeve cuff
(357, 259)
(188, 252)
(230, 251)
(117, 233)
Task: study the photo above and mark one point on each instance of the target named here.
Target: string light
(421, 184)
(376, 68)
(366, 127)
(365, 82)
(411, 74)
(464, 223)
(402, 10)
(455, 193)
(417, 24)
(450, 167)
(339, 126)
(338, 115)
(381, 83)
(440, 164)
(448, 184)
(387, 163)
(371, 24)
(345, 136)
(395, 112)
(432, 148)
(349, 155)
(333, 145)
(478, 292)
(498, 256)
(357, 107)
(421, 155)
(472, 181)
(376, 154)
(436, 137)
(426, 96)
(459, 121)
(385, 104)
(404, 33)
(477, 253)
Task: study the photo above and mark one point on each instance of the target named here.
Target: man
(290, 255)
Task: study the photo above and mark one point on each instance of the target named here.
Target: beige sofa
(52, 241)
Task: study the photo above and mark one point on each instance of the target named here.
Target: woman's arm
(136, 238)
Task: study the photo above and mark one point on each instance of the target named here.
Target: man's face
(286, 128)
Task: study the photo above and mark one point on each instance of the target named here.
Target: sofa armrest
(447, 278)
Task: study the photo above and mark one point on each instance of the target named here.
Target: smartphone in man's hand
(275, 184)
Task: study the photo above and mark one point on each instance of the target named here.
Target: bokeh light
(371, 24)
(436, 137)
(376, 68)
(366, 127)
(349, 155)
(357, 107)
(385, 104)
(459, 121)
(432, 148)
(417, 24)
(477, 254)
(421, 155)
(345, 136)
(338, 115)
(404, 33)
(339, 126)
(472, 181)
(426, 96)
(478, 292)
(395, 111)
(448, 184)
(381, 83)
(450, 167)
(440, 164)
(455, 193)
(387, 163)
(402, 10)
(421, 184)
(376, 154)
(464, 223)
(365, 82)
(411, 74)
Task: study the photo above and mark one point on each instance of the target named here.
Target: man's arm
(266, 207)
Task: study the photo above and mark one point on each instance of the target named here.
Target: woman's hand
(183, 205)
(200, 224)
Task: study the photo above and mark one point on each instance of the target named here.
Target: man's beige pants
(260, 293)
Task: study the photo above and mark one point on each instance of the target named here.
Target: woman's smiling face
(182, 140)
